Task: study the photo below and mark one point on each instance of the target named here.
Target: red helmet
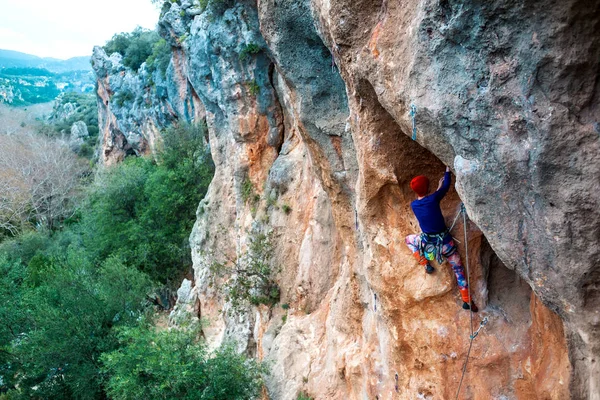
(420, 185)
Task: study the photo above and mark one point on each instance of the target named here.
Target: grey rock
(79, 130)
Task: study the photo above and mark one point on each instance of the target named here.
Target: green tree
(251, 276)
(135, 47)
(175, 364)
(70, 309)
(160, 58)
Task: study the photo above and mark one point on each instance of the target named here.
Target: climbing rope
(483, 322)
(413, 114)
(456, 218)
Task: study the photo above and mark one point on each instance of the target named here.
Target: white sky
(69, 28)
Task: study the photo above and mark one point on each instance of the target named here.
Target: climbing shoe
(471, 307)
(429, 269)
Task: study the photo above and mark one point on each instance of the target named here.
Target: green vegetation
(303, 396)
(249, 50)
(160, 57)
(253, 88)
(25, 86)
(76, 305)
(250, 278)
(123, 97)
(135, 47)
(247, 189)
(141, 46)
(286, 208)
(143, 210)
(212, 5)
(86, 110)
(153, 364)
(24, 90)
(58, 312)
(26, 71)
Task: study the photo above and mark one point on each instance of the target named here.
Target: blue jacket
(427, 210)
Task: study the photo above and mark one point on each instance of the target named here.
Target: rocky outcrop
(507, 94)
(133, 106)
(308, 105)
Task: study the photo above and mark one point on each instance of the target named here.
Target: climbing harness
(431, 246)
(413, 114)
(483, 322)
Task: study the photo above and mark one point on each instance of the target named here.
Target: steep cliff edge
(308, 108)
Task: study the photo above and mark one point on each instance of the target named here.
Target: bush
(160, 58)
(249, 50)
(135, 47)
(251, 277)
(67, 308)
(175, 364)
(247, 189)
(24, 247)
(253, 88)
(124, 96)
(86, 111)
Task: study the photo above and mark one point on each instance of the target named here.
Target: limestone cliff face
(134, 106)
(310, 101)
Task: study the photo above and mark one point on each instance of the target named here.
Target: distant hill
(27, 79)
(16, 59)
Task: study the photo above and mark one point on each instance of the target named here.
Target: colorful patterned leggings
(414, 243)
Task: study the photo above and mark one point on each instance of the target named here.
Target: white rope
(471, 337)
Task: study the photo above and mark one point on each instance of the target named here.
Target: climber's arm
(444, 185)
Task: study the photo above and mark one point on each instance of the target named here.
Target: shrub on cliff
(160, 57)
(135, 47)
(250, 277)
(175, 364)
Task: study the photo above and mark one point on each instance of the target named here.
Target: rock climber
(435, 241)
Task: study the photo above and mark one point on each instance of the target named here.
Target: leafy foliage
(249, 50)
(64, 293)
(175, 364)
(160, 58)
(253, 88)
(250, 277)
(135, 47)
(124, 96)
(247, 189)
(63, 320)
(143, 210)
(85, 109)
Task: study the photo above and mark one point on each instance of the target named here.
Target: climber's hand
(447, 169)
